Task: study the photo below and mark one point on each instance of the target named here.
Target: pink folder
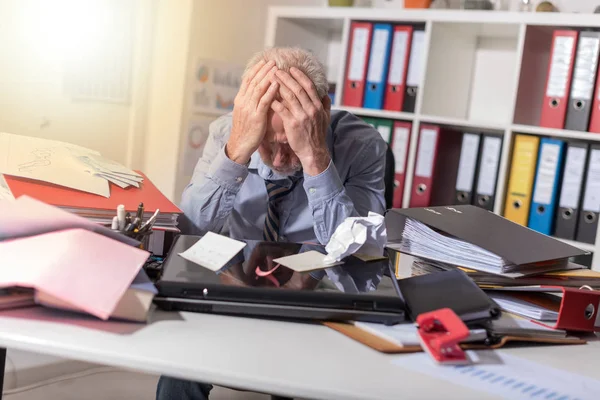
(83, 268)
(26, 217)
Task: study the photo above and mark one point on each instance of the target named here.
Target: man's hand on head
(305, 119)
(250, 110)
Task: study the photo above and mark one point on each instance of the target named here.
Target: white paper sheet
(213, 251)
(367, 234)
(50, 161)
(506, 376)
(5, 192)
(304, 262)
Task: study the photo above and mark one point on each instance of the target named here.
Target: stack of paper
(100, 209)
(513, 325)
(528, 309)
(421, 241)
(574, 275)
(28, 217)
(62, 164)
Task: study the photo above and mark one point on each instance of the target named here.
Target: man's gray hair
(304, 60)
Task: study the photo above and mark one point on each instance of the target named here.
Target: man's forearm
(208, 200)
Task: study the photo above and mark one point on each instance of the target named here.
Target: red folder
(356, 65)
(436, 167)
(558, 81)
(420, 194)
(595, 117)
(396, 83)
(69, 198)
(578, 309)
(400, 145)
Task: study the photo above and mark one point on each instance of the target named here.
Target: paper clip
(440, 332)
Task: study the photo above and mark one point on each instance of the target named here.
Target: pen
(127, 218)
(140, 211)
(121, 216)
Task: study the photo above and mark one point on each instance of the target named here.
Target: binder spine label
(415, 65)
(591, 201)
(559, 70)
(468, 162)
(546, 175)
(426, 157)
(584, 73)
(572, 177)
(490, 159)
(400, 147)
(396, 76)
(385, 132)
(378, 53)
(360, 41)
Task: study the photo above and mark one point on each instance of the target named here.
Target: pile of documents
(62, 164)
(71, 263)
(79, 181)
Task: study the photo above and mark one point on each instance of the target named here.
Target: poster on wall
(215, 84)
(194, 139)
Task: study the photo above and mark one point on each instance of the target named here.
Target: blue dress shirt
(230, 198)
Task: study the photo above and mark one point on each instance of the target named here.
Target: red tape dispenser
(440, 332)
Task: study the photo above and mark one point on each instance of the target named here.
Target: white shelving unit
(485, 71)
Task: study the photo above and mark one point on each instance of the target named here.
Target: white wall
(32, 99)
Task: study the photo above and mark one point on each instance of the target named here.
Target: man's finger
(296, 89)
(290, 100)
(259, 88)
(249, 75)
(266, 100)
(258, 77)
(280, 109)
(307, 84)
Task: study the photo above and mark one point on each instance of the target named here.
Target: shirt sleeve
(332, 201)
(208, 199)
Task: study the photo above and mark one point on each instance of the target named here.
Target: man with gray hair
(284, 167)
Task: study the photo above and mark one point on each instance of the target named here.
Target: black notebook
(449, 289)
(472, 237)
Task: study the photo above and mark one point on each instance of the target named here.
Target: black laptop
(250, 286)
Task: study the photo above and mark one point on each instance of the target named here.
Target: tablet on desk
(251, 285)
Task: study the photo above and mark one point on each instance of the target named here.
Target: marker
(115, 223)
(121, 216)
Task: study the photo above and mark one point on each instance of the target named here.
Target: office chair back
(390, 168)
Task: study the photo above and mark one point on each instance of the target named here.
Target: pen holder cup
(143, 238)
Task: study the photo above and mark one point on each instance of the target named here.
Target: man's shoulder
(352, 131)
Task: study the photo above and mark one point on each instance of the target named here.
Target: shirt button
(238, 179)
(312, 190)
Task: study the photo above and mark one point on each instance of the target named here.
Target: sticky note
(304, 262)
(213, 251)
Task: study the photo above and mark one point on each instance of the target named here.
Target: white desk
(289, 359)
